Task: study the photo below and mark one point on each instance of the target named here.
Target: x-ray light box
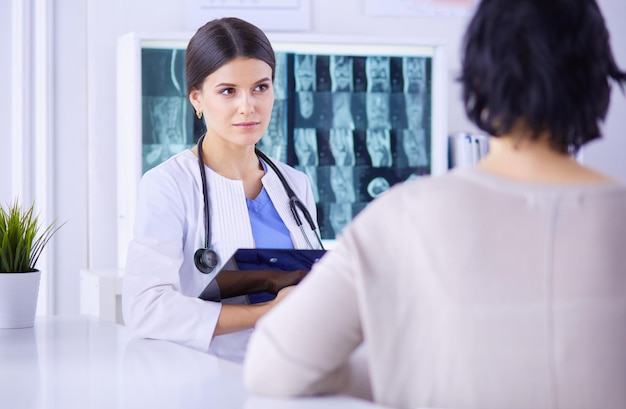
(356, 114)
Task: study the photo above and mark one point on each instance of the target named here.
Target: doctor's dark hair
(219, 41)
(547, 63)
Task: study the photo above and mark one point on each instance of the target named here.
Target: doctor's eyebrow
(231, 85)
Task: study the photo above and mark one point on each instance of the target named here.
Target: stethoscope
(206, 258)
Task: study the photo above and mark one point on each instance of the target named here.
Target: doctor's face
(236, 101)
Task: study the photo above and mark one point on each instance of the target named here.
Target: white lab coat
(161, 282)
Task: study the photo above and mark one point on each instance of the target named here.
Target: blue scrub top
(268, 229)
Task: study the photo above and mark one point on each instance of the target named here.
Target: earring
(199, 114)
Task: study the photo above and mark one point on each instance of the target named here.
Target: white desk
(83, 362)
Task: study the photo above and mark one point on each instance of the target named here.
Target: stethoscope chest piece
(205, 260)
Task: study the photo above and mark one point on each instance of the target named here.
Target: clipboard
(262, 263)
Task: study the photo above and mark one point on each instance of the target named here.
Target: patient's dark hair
(547, 63)
(219, 41)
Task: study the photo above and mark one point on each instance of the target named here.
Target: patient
(498, 286)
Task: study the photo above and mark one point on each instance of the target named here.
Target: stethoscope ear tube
(294, 201)
(305, 212)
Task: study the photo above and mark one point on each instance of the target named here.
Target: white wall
(5, 103)
(609, 154)
(71, 99)
(84, 139)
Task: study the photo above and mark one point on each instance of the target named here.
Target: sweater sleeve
(304, 344)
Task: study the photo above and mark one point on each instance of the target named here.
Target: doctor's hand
(233, 283)
(281, 279)
(282, 294)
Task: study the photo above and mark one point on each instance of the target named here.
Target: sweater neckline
(497, 182)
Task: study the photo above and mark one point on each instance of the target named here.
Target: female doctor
(195, 209)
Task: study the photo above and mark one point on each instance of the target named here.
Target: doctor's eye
(262, 87)
(227, 91)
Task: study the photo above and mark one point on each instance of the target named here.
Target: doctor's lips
(246, 125)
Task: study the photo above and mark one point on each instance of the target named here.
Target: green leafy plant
(21, 238)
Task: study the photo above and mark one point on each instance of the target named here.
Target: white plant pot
(18, 299)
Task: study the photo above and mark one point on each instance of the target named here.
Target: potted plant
(21, 242)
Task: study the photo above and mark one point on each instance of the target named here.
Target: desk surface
(82, 362)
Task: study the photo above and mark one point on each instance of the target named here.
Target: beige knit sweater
(470, 291)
